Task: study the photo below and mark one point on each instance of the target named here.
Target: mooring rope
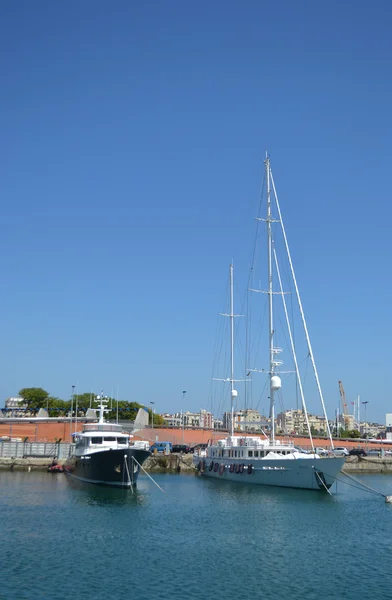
(321, 479)
(368, 487)
(129, 475)
(148, 475)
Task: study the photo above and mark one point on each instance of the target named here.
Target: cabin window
(256, 453)
(121, 440)
(250, 453)
(96, 440)
(235, 453)
(109, 439)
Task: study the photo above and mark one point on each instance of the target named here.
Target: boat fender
(232, 467)
(237, 468)
(211, 466)
(250, 469)
(241, 468)
(216, 467)
(221, 469)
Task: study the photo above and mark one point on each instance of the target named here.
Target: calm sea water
(202, 540)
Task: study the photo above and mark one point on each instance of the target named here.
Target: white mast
(234, 392)
(275, 382)
(102, 408)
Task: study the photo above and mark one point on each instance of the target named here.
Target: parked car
(199, 447)
(357, 452)
(379, 452)
(161, 448)
(321, 451)
(181, 448)
(340, 451)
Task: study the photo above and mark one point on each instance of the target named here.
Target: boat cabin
(251, 448)
(96, 439)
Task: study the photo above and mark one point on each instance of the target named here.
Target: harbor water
(200, 539)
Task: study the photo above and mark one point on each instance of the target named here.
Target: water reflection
(258, 494)
(96, 495)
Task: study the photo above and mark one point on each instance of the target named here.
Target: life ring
(231, 468)
(216, 467)
(250, 469)
(241, 468)
(221, 469)
(211, 466)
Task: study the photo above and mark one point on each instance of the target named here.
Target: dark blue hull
(114, 468)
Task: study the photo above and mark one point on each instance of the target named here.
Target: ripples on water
(204, 539)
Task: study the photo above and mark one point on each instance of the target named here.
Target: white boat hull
(307, 473)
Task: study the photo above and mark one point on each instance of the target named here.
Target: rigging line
(261, 394)
(364, 485)
(356, 487)
(257, 341)
(320, 478)
(128, 473)
(148, 475)
(302, 312)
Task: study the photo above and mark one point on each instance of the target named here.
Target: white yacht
(268, 460)
(104, 454)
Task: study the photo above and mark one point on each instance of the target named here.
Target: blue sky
(132, 139)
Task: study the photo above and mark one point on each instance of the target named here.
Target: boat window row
(102, 440)
(249, 453)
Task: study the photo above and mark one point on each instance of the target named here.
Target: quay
(183, 463)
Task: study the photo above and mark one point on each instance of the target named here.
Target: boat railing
(102, 427)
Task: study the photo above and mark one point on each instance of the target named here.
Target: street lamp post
(365, 431)
(70, 423)
(183, 414)
(152, 418)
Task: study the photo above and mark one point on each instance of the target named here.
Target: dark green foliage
(34, 398)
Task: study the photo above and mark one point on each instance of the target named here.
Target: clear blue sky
(132, 137)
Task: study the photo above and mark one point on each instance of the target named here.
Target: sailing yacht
(268, 460)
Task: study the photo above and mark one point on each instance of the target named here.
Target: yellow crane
(344, 405)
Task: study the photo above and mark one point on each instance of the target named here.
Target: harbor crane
(344, 405)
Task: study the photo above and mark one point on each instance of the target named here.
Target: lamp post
(152, 418)
(365, 430)
(70, 423)
(183, 414)
(76, 412)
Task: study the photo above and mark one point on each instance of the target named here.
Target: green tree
(34, 398)
(350, 433)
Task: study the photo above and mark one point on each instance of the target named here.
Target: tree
(34, 398)
(350, 433)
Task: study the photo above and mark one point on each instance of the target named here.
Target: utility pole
(183, 414)
(365, 428)
(152, 419)
(70, 423)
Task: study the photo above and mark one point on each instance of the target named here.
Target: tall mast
(270, 294)
(234, 392)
